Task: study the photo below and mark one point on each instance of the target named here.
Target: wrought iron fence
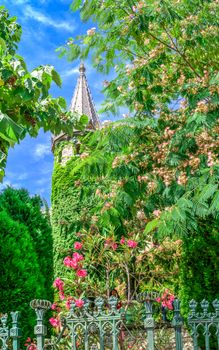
(103, 325)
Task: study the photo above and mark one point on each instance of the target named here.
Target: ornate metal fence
(102, 325)
(204, 322)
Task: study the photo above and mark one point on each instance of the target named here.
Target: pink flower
(168, 304)
(81, 273)
(114, 246)
(53, 307)
(61, 296)
(210, 163)
(32, 347)
(91, 31)
(59, 284)
(74, 264)
(78, 245)
(67, 261)
(54, 322)
(122, 240)
(157, 212)
(108, 242)
(132, 244)
(79, 303)
(166, 299)
(78, 257)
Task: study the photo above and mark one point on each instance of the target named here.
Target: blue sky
(46, 25)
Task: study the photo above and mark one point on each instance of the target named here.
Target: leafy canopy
(25, 103)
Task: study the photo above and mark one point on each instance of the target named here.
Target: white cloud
(22, 2)
(43, 181)
(30, 12)
(42, 150)
(22, 176)
(7, 183)
(18, 2)
(68, 72)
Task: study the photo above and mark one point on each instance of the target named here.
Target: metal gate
(102, 325)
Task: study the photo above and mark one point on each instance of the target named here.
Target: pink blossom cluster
(30, 344)
(53, 306)
(78, 302)
(59, 284)
(78, 245)
(130, 242)
(54, 322)
(109, 243)
(74, 261)
(166, 299)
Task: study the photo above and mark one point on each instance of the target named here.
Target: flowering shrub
(166, 299)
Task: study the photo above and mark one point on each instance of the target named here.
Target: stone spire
(82, 102)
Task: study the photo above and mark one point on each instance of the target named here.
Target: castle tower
(82, 103)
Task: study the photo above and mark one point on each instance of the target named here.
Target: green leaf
(151, 225)
(75, 5)
(82, 121)
(6, 74)
(214, 208)
(178, 215)
(9, 130)
(2, 156)
(24, 94)
(206, 192)
(2, 44)
(56, 78)
(62, 102)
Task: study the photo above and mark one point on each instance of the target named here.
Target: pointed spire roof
(82, 101)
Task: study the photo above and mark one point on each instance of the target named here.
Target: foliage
(26, 253)
(199, 264)
(25, 103)
(160, 50)
(97, 203)
(152, 178)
